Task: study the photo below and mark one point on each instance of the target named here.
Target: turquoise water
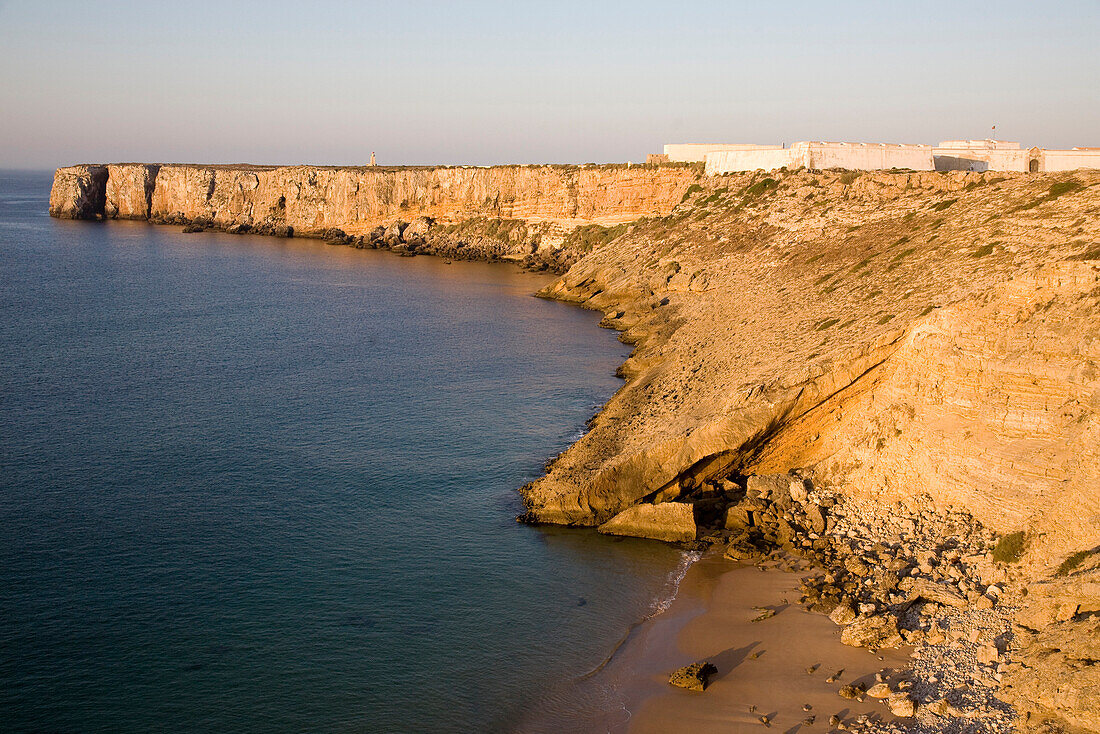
(250, 484)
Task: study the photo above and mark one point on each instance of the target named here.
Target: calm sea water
(251, 484)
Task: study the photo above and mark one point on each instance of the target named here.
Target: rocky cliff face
(896, 333)
(889, 336)
(895, 338)
(79, 192)
(311, 201)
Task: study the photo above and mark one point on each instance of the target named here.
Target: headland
(893, 375)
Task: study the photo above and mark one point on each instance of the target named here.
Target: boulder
(901, 704)
(844, 614)
(668, 521)
(816, 517)
(741, 548)
(775, 488)
(920, 588)
(875, 630)
(744, 514)
(694, 677)
(879, 690)
(394, 232)
(417, 230)
(852, 692)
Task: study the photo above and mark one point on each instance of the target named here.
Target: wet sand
(711, 619)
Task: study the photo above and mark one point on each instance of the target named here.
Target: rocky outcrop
(548, 201)
(79, 192)
(694, 677)
(668, 521)
(896, 334)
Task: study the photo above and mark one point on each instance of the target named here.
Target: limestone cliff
(79, 192)
(888, 336)
(313, 200)
(895, 333)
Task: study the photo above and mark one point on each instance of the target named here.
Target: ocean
(260, 485)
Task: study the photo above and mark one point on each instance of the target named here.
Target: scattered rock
(877, 630)
(852, 691)
(694, 677)
(901, 704)
(843, 614)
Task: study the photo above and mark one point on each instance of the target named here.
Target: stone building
(949, 155)
(819, 154)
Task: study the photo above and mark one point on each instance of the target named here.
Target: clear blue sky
(560, 81)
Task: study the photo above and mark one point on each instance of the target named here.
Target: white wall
(1068, 160)
(854, 156)
(869, 156)
(696, 152)
(980, 159)
(729, 161)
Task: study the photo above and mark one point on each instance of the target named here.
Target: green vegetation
(848, 177)
(1075, 560)
(714, 198)
(943, 205)
(1010, 548)
(759, 188)
(691, 191)
(589, 237)
(861, 264)
(827, 323)
(903, 254)
(1059, 189)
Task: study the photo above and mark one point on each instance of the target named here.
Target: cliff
(892, 337)
(549, 201)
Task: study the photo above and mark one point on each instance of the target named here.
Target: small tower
(372, 157)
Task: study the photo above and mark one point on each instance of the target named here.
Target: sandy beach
(762, 664)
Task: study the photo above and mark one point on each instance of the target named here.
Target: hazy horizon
(488, 82)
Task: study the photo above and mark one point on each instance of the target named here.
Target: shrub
(848, 177)
(589, 237)
(691, 191)
(1010, 548)
(1074, 561)
(760, 187)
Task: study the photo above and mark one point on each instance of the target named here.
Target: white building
(819, 154)
(949, 155)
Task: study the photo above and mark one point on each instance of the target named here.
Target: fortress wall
(869, 156)
(731, 161)
(697, 152)
(1068, 160)
(853, 156)
(980, 159)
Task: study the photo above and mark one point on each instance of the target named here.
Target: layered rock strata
(884, 336)
(544, 204)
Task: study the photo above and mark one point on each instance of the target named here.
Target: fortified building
(949, 155)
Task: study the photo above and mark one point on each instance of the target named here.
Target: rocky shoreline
(893, 376)
(902, 576)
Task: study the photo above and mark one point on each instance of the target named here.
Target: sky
(327, 82)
